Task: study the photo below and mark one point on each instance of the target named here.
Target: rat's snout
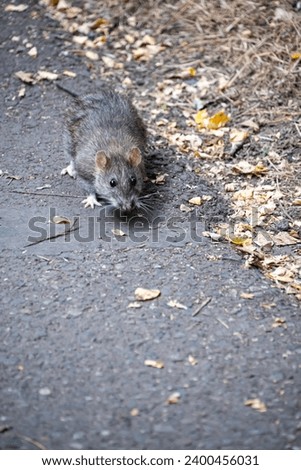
(128, 206)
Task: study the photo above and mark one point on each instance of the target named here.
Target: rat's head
(119, 180)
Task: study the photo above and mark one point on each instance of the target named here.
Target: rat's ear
(134, 157)
(102, 161)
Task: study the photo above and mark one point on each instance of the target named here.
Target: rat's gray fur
(107, 122)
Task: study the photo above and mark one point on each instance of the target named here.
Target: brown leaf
(26, 77)
(146, 294)
(256, 404)
(279, 322)
(98, 22)
(57, 219)
(283, 239)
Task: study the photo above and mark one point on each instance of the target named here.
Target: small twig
(72, 228)
(298, 130)
(32, 441)
(223, 323)
(200, 307)
(31, 193)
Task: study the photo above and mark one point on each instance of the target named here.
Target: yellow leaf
(200, 117)
(238, 136)
(295, 55)
(98, 22)
(240, 241)
(218, 120)
(192, 71)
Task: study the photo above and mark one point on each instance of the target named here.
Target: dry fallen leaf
(214, 122)
(196, 201)
(118, 232)
(245, 168)
(296, 202)
(192, 360)
(279, 322)
(109, 62)
(184, 208)
(33, 52)
(263, 240)
(192, 72)
(70, 74)
(174, 398)
(57, 219)
(155, 364)
(45, 75)
(26, 77)
(214, 236)
(134, 305)
(240, 241)
(256, 404)
(237, 136)
(22, 92)
(160, 179)
(98, 22)
(218, 120)
(295, 55)
(176, 304)
(283, 239)
(246, 295)
(92, 55)
(146, 294)
(17, 8)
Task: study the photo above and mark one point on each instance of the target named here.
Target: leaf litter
(237, 122)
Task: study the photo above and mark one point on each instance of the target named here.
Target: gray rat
(105, 140)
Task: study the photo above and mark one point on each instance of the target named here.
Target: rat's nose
(128, 206)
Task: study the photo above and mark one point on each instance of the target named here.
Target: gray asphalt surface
(73, 351)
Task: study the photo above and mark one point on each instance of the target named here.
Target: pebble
(44, 391)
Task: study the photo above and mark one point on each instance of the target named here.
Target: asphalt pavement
(225, 370)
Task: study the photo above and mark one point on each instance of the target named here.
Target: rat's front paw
(70, 170)
(90, 201)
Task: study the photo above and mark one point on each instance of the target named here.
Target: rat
(105, 140)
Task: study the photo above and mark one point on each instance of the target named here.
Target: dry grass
(248, 43)
(179, 56)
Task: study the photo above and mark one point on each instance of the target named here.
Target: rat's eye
(133, 181)
(113, 183)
